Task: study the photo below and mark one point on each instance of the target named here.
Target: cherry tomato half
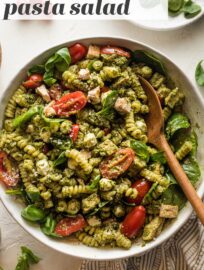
(74, 132)
(77, 52)
(70, 225)
(142, 186)
(117, 164)
(8, 172)
(33, 81)
(134, 221)
(116, 50)
(70, 103)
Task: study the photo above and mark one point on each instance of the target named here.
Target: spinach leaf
(176, 122)
(140, 56)
(40, 69)
(60, 61)
(94, 183)
(22, 119)
(108, 104)
(26, 258)
(32, 213)
(191, 168)
(199, 74)
(159, 156)
(60, 160)
(174, 196)
(49, 226)
(140, 149)
(191, 9)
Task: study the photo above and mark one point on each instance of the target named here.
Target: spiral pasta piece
(123, 241)
(74, 190)
(131, 127)
(87, 239)
(184, 150)
(154, 177)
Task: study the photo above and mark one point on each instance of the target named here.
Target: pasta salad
(75, 151)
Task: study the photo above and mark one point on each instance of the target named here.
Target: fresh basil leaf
(40, 69)
(108, 104)
(26, 258)
(33, 214)
(159, 157)
(175, 5)
(60, 160)
(140, 149)
(174, 196)
(140, 56)
(60, 61)
(49, 226)
(191, 168)
(191, 9)
(100, 206)
(176, 122)
(94, 183)
(170, 177)
(22, 119)
(199, 74)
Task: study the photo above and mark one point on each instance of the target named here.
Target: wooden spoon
(155, 133)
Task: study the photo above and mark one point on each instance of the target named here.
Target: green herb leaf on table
(26, 258)
(191, 9)
(33, 214)
(159, 156)
(140, 56)
(59, 61)
(108, 104)
(140, 149)
(199, 74)
(176, 122)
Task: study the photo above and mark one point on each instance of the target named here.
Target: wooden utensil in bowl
(155, 133)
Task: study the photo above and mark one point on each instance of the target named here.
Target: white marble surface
(21, 41)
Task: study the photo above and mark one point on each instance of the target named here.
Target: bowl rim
(187, 208)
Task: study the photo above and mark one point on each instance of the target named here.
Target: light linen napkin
(183, 251)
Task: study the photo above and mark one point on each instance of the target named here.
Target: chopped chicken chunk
(84, 74)
(43, 92)
(168, 211)
(94, 95)
(122, 106)
(93, 52)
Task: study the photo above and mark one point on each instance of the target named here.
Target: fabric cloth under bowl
(183, 251)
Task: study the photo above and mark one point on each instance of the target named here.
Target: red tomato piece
(74, 132)
(117, 164)
(142, 186)
(77, 52)
(115, 50)
(8, 172)
(70, 225)
(134, 221)
(33, 81)
(70, 103)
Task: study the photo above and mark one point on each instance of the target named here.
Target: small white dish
(194, 107)
(171, 23)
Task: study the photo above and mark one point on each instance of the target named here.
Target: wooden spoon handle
(181, 177)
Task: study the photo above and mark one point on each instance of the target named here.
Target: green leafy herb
(140, 149)
(60, 160)
(191, 9)
(174, 196)
(175, 5)
(22, 119)
(26, 258)
(100, 206)
(159, 156)
(40, 69)
(47, 119)
(34, 195)
(108, 104)
(199, 74)
(49, 226)
(14, 192)
(60, 61)
(94, 183)
(192, 169)
(170, 177)
(176, 122)
(149, 59)
(32, 213)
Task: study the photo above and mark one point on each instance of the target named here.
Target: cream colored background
(21, 41)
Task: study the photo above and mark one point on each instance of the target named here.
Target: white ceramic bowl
(194, 107)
